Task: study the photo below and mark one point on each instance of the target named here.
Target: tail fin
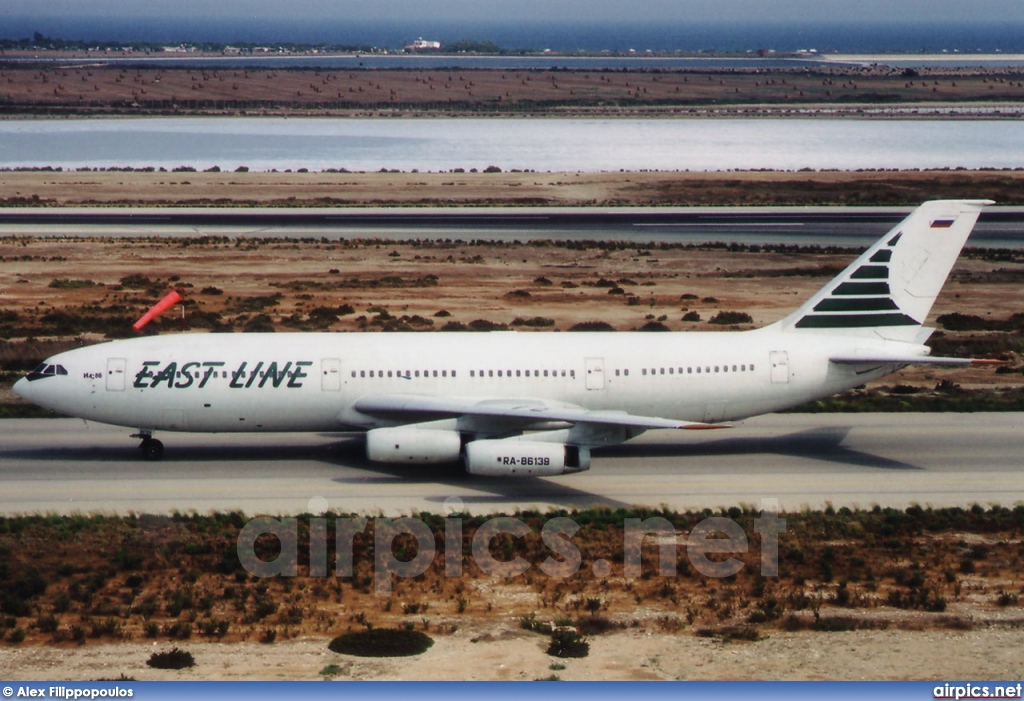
(889, 290)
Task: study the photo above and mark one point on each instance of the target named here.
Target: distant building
(423, 45)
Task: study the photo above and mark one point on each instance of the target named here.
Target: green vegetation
(64, 283)
(969, 322)
(382, 642)
(945, 398)
(592, 326)
(568, 643)
(536, 322)
(172, 659)
(729, 318)
(256, 303)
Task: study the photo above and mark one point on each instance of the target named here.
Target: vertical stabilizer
(889, 290)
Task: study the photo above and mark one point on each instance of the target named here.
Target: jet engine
(413, 445)
(519, 458)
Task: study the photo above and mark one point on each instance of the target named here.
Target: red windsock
(159, 308)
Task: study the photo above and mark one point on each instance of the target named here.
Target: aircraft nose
(21, 388)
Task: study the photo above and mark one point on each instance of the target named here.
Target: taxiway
(803, 460)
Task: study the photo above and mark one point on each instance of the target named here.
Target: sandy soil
(510, 654)
(49, 188)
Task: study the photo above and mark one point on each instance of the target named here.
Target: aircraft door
(115, 374)
(595, 373)
(779, 361)
(330, 374)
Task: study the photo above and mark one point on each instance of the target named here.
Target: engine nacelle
(413, 445)
(514, 458)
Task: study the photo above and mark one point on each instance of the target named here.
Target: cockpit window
(46, 370)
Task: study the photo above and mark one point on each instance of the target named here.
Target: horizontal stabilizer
(914, 360)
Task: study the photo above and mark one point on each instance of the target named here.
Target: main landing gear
(151, 448)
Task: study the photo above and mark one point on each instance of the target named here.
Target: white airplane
(521, 404)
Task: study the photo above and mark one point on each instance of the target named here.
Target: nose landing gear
(151, 448)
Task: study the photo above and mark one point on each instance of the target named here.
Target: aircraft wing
(419, 408)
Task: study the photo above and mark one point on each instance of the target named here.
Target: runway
(803, 460)
(998, 227)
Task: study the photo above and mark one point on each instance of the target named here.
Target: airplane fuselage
(311, 381)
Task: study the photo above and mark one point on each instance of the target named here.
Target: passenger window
(734, 368)
(751, 367)
(626, 371)
(417, 373)
(362, 373)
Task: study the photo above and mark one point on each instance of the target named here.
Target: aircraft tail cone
(159, 308)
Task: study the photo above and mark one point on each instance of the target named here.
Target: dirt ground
(258, 189)
(506, 653)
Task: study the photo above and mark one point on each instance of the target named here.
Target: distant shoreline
(943, 58)
(808, 57)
